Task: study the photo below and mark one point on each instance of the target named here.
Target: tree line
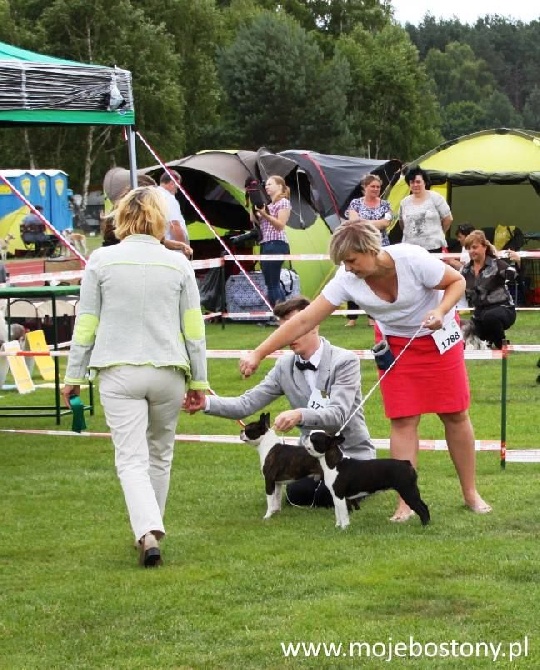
(334, 76)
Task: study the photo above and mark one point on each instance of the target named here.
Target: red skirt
(424, 381)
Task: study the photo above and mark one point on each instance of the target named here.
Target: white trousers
(141, 405)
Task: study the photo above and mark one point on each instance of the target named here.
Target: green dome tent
(321, 187)
(215, 180)
(489, 178)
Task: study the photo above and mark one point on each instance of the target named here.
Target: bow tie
(305, 365)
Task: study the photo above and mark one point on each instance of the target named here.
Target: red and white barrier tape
(207, 263)
(367, 354)
(326, 257)
(425, 445)
(278, 257)
(68, 275)
(523, 455)
(253, 316)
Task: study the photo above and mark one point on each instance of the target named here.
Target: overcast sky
(467, 11)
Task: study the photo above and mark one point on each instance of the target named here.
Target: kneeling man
(322, 384)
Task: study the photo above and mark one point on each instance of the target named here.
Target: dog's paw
(271, 513)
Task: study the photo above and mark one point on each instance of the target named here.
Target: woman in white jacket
(141, 329)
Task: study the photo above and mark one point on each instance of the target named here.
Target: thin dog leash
(372, 390)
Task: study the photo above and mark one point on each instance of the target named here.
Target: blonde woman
(272, 220)
(140, 328)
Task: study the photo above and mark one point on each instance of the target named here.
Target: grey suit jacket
(338, 377)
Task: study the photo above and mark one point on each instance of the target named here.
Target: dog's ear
(339, 439)
(265, 420)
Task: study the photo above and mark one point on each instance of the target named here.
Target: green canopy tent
(42, 90)
(321, 186)
(489, 178)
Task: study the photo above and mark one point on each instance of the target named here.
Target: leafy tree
(462, 118)
(436, 34)
(530, 37)
(509, 49)
(392, 110)
(328, 17)
(458, 74)
(497, 41)
(531, 110)
(500, 113)
(7, 25)
(279, 91)
(194, 28)
(339, 17)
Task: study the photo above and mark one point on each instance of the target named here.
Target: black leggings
(491, 322)
(307, 492)
(352, 305)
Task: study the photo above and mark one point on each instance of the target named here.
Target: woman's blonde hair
(141, 212)
(479, 237)
(354, 237)
(285, 190)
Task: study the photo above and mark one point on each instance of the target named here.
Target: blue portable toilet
(47, 188)
(58, 199)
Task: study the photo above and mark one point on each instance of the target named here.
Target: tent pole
(132, 157)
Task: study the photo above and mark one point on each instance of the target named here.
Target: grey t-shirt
(422, 222)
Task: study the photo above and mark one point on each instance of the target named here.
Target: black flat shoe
(149, 552)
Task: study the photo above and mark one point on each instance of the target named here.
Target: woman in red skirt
(412, 297)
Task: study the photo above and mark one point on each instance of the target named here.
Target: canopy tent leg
(132, 156)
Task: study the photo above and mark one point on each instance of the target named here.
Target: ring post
(504, 376)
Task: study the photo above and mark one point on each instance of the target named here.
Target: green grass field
(235, 588)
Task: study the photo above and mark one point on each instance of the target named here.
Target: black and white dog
(347, 478)
(280, 463)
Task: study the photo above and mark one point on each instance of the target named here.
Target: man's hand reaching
(194, 401)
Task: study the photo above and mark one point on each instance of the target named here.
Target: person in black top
(486, 278)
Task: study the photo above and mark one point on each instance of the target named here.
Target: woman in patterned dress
(373, 209)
